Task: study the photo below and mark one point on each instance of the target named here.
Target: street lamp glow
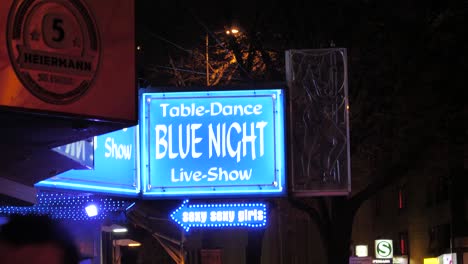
(232, 31)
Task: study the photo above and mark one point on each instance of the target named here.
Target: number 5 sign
(54, 47)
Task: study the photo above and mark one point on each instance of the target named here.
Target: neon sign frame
(227, 215)
(267, 173)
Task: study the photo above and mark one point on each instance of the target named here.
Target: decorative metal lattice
(319, 129)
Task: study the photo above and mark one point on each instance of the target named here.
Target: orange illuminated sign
(62, 56)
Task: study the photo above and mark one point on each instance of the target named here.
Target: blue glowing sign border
(62, 182)
(276, 188)
(177, 214)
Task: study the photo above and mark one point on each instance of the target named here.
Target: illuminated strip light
(211, 192)
(134, 244)
(88, 187)
(120, 230)
(61, 206)
(226, 215)
(130, 206)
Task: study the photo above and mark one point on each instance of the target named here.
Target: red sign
(73, 57)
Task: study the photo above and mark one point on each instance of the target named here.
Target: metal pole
(182, 249)
(207, 61)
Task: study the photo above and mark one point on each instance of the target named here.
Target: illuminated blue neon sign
(220, 215)
(81, 151)
(213, 143)
(115, 167)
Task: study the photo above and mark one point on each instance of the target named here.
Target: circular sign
(384, 249)
(54, 47)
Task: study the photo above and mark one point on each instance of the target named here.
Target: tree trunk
(339, 232)
(253, 251)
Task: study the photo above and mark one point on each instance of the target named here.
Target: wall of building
(425, 214)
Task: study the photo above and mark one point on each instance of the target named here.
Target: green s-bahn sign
(383, 249)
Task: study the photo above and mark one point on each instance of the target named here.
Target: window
(437, 189)
(442, 193)
(403, 246)
(402, 197)
(439, 239)
(430, 190)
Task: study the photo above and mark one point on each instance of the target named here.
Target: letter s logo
(384, 249)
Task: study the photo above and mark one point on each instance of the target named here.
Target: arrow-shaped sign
(220, 215)
(81, 151)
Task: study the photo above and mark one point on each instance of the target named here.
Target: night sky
(168, 27)
(172, 25)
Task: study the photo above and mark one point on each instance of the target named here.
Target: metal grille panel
(319, 123)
